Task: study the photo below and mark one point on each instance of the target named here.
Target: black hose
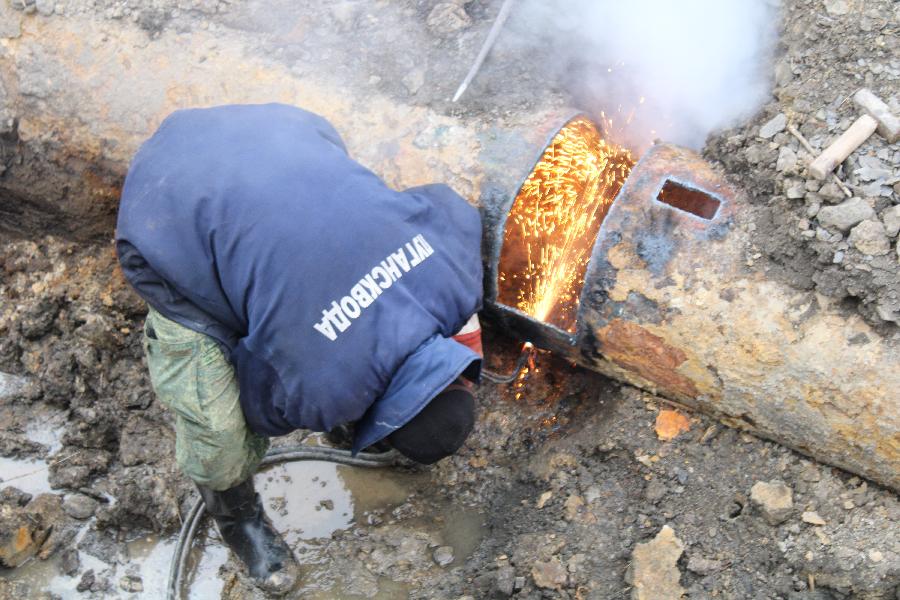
(195, 514)
(296, 453)
(526, 358)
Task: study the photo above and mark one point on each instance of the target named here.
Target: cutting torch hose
(194, 516)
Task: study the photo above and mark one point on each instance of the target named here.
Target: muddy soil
(565, 474)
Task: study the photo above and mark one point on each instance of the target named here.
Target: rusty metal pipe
(670, 305)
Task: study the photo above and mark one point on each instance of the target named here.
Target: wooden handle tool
(841, 148)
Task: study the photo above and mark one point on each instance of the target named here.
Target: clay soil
(565, 473)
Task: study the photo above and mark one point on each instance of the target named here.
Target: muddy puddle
(309, 502)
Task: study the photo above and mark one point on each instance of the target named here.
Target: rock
(14, 496)
(45, 7)
(23, 530)
(775, 125)
(11, 385)
(787, 160)
(837, 7)
(773, 499)
(832, 193)
(38, 319)
(655, 491)
(872, 174)
(443, 555)
(550, 575)
(87, 580)
(131, 583)
(447, 18)
(79, 506)
(891, 219)
(573, 506)
(812, 518)
(654, 573)
(543, 499)
(846, 215)
(70, 562)
(869, 237)
(506, 581)
(703, 566)
(794, 189)
(670, 424)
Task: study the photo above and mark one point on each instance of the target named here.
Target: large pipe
(670, 304)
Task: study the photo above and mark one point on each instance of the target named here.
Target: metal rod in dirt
(486, 47)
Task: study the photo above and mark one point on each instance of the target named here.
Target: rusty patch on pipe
(634, 348)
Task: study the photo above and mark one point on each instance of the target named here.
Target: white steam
(699, 65)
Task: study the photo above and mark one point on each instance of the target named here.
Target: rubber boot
(249, 533)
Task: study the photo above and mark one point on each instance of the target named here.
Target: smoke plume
(677, 70)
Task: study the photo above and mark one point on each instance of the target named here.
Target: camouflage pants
(193, 378)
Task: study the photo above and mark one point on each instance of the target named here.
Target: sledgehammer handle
(841, 148)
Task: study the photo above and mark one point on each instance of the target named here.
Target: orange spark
(554, 221)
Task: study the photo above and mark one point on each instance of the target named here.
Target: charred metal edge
(542, 334)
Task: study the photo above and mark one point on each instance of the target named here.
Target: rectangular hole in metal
(689, 200)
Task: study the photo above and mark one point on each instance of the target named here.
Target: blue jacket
(334, 295)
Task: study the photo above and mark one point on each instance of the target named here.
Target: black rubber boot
(246, 529)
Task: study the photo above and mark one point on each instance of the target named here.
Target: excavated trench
(565, 474)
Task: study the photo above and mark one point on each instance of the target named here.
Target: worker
(290, 288)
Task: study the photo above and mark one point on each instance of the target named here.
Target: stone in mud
(654, 573)
(773, 499)
(870, 238)
(77, 470)
(846, 215)
(15, 445)
(775, 125)
(831, 192)
(45, 7)
(132, 584)
(79, 506)
(23, 530)
(87, 581)
(443, 555)
(143, 494)
(891, 219)
(812, 517)
(14, 496)
(447, 18)
(703, 566)
(70, 562)
(655, 491)
(506, 581)
(11, 385)
(787, 161)
(573, 506)
(39, 318)
(550, 575)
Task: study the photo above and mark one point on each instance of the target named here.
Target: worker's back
(252, 225)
